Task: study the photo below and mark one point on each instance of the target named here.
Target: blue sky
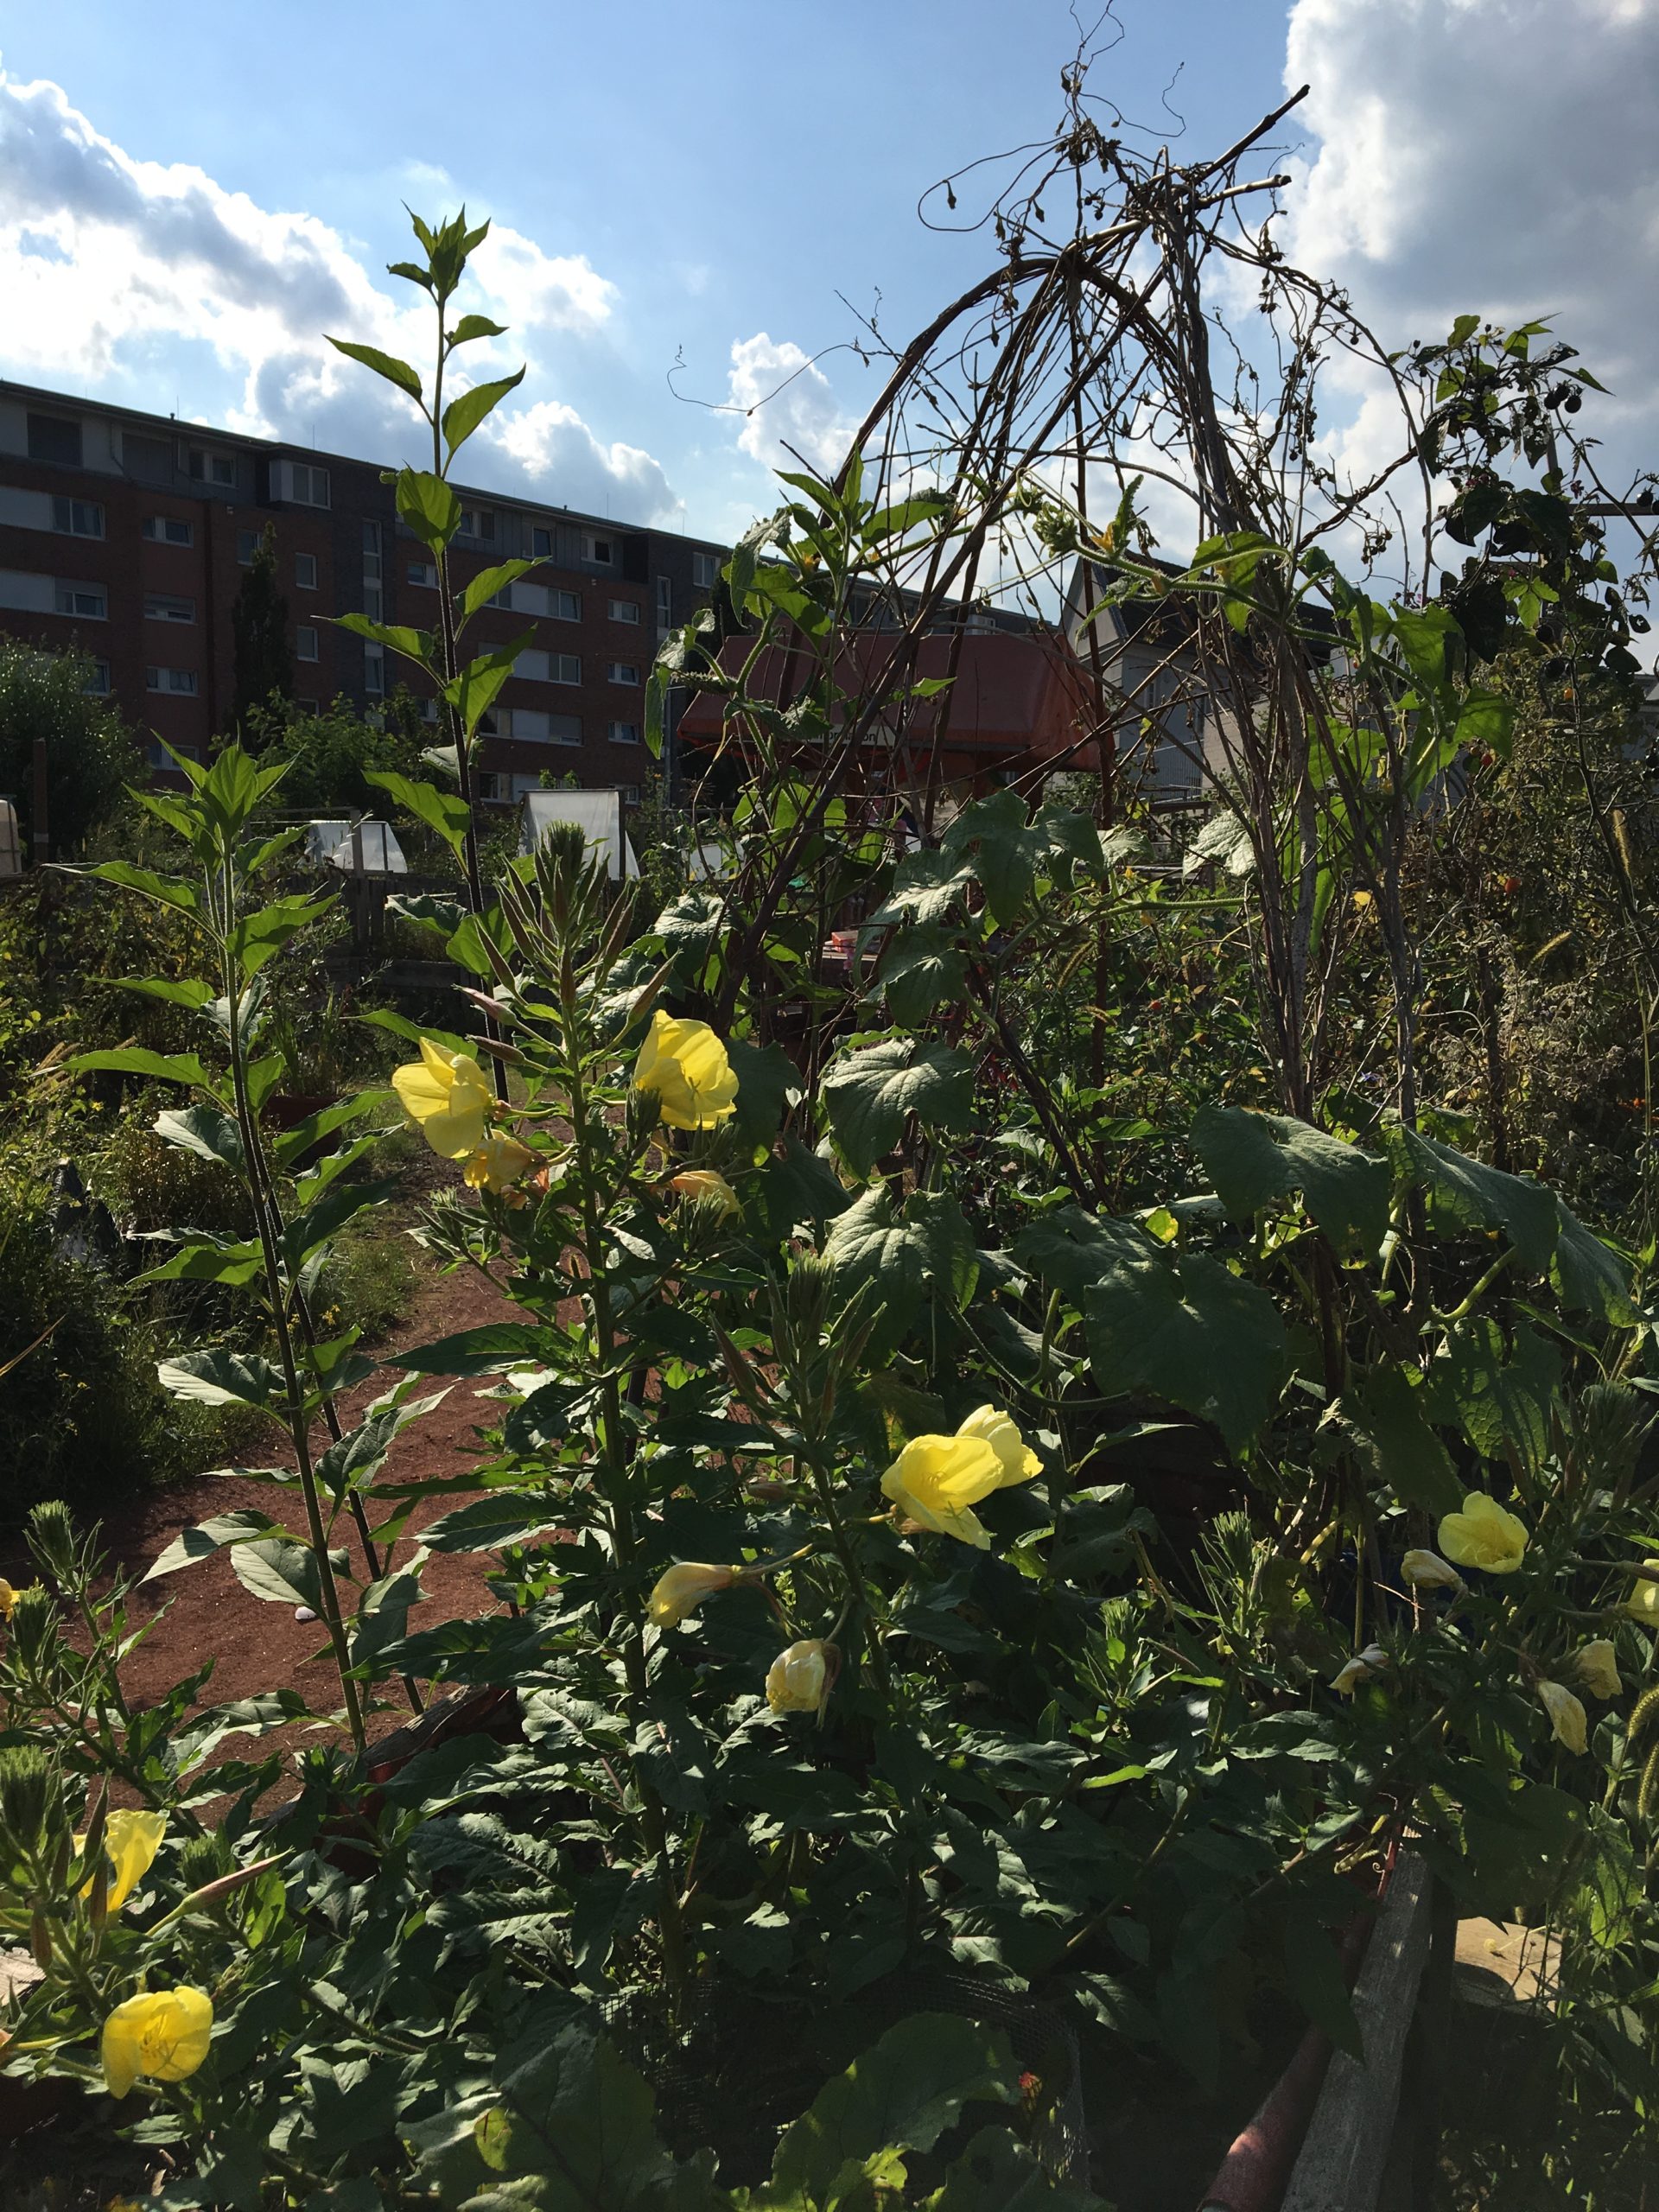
(183, 207)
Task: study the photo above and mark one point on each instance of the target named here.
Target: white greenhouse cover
(12, 852)
(599, 815)
(333, 844)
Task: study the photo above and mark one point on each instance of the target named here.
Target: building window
(625, 733)
(161, 759)
(424, 573)
(623, 672)
(305, 571)
(97, 685)
(300, 482)
(564, 606)
(564, 668)
(478, 522)
(51, 437)
(77, 518)
(630, 793)
(168, 530)
(162, 607)
(308, 705)
(374, 671)
(87, 601)
(247, 544)
(429, 710)
(705, 570)
(625, 610)
(541, 544)
(532, 667)
(205, 466)
(664, 605)
(181, 681)
(599, 551)
(564, 729)
(305, 643)
(529, 723)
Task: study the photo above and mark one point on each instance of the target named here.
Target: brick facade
(86, 559)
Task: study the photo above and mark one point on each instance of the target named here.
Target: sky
(690, 202)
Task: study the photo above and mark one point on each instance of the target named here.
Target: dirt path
(258, 1646)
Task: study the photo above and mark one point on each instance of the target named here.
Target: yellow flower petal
(8, 1599)
(1426, 1570)
(683, 1588)
(131, 1842)
(1484, 1534)
(1597, 1665)
(685, 1064)
(160, 2036)
(498, 1162)
(708, 1185)
(448, 1096)
(936, 1480)
(1643, 1603)
(1016, 1461)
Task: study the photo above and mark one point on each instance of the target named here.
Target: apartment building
(128, 536)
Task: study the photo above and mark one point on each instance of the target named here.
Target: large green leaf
(1474, 1196)
(1589, 1276)
(282, 1570)
(497, 1346)
(439, 811)
(1191, 1333)
(1386, 1417)
(462, 416)
(919, 968)
(205, 1131)
(260, 936)
(217, 1377)
(1069, 1249)
(767, 1081)
(503, 1516)
(426, 503)
(1006, 849)
(165, 889)
(903, 1256)
(1497, 1401)
(998, 2173)
(1257, 1160)
(902, 2095)
(132, 1059)
(313, 1228)
(208, 1259)
(384, 364)
(210, 1536)
(1313, 1969)
(872, 1091)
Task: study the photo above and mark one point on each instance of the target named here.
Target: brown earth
(205, 1612)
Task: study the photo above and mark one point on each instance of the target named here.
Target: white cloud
(1493, 156)
(788, 403)
(113, 269)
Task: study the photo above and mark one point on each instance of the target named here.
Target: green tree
(90, 753)
(329, 753)
(265, 665)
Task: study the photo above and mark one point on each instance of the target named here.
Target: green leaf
(384, 364)
(871, 1092)
(428, 507)
(474, 689)
(1474, 1196)
(920, 968)
(462, 416)
(1007, 850)
(472, 326)
(904, 1256)
(210, 1536)
(998, 2173)
(1186, 1329)
(902, 2095)
(170, 1067)
(1386, 1415)
(484, 587)
(192, 994)
(439, 811)
(165, 889)
(205, 1131)
(1259, 1161)
(490, 1349)
(259, 937)
(420, 646)
(217, 1377)
(313, 1228)
(1071, 1250)
(767, 1081)
(282, 1571)
(503, 1517)
(1499, 1403)
(1422, 634)
(1589, 1276)
(1314, 1969)
(209, 1259)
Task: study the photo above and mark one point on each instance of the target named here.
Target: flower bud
(52, 1537)
(1360, 1668)
(800, 1679)
(683, 1588)
(1567, 1715)
(1597, 1666)
(1643, 1603)
(1426, 1570)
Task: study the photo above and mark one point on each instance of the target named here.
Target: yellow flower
(936, 1480)
(162, 2034)
(1484, 1536)
(1643, 1603)
(683, 1588)
(1429, 1571)
(1360, 1668)
(131, 1842)
(799, 1679)
(8, 1599)
(448, 1096)
(1566, 1715)
(1598, 1667)
(494, 1163)
(685, 1064)
(1016, 1462)
(707, 1184)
